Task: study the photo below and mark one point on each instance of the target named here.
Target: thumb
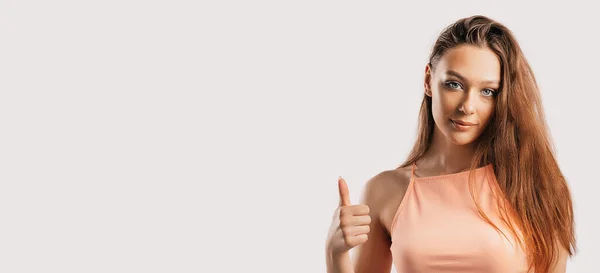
(344, 193)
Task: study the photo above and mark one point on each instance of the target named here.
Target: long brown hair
(516, 142)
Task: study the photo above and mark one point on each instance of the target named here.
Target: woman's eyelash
(491, 90)
(452, 82)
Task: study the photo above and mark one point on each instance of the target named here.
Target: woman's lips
(462, 125)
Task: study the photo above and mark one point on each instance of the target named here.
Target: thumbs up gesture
(350, 224)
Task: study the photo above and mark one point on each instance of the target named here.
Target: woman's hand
(350, 224)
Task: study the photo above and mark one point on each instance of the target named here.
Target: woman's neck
(444, 157)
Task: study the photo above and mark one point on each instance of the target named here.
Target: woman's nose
(467, 106)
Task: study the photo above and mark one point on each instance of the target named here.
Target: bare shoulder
(381, 184)
(384, 192)
(380, 193)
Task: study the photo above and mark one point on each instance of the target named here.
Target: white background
(187, 136)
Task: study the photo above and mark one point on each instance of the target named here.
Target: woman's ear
(427, 80)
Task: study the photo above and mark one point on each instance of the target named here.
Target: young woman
(481, 190)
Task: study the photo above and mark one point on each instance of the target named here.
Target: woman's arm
(339, 263)
(375, 256)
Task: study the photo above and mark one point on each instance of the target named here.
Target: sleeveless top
(437, 227)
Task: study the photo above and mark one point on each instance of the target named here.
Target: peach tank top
(437, 227)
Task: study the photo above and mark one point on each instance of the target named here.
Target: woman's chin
(460, 140)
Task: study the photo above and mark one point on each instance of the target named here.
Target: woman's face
(463, 90)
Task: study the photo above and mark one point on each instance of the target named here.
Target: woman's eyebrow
(458, 75)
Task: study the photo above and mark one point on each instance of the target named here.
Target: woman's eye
(488, 92)
(453, 85)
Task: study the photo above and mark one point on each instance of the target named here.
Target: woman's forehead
(471, 62)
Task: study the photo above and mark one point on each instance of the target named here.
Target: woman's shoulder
(386, 186)
(389, 180)
(383, 193)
